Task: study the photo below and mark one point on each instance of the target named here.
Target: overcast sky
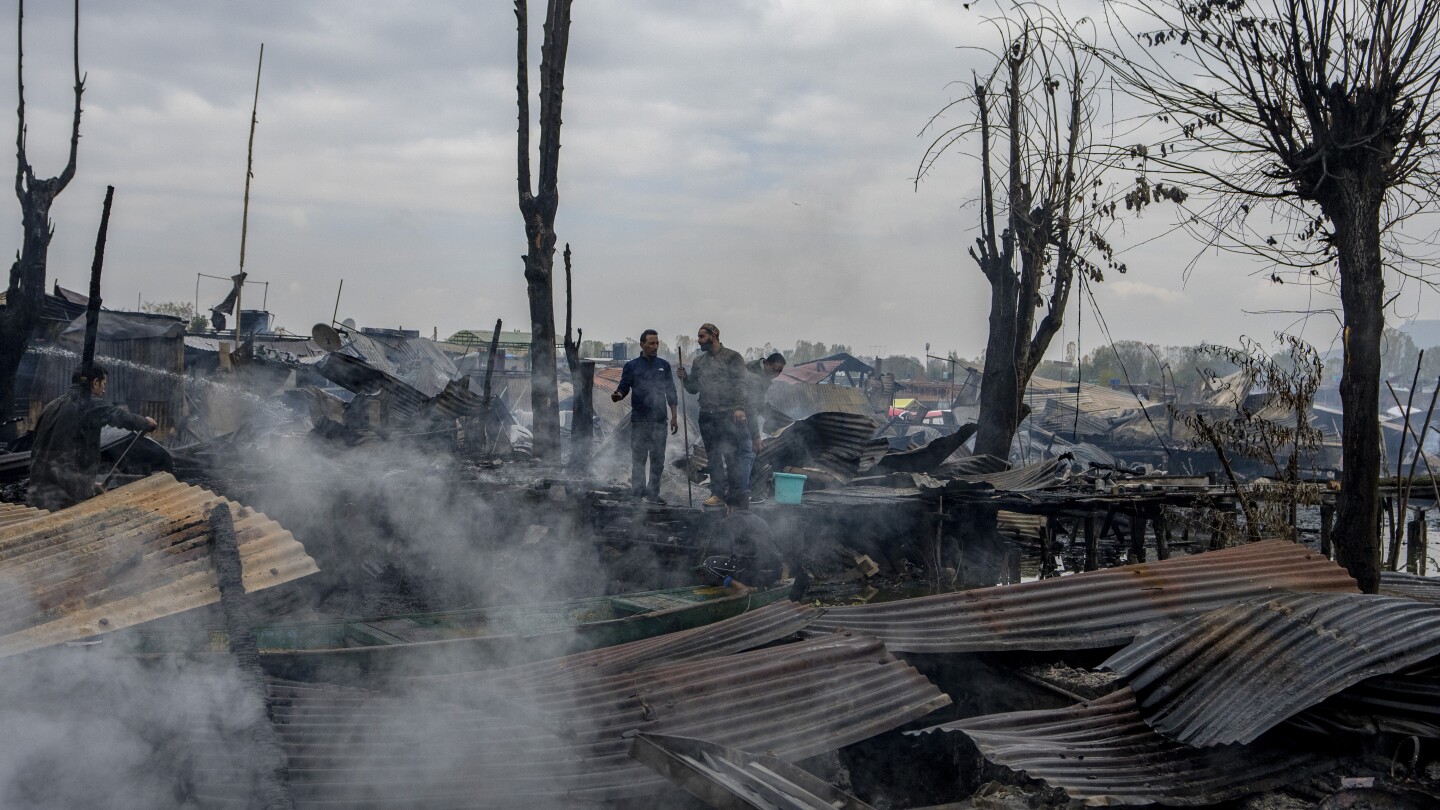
(743, 162)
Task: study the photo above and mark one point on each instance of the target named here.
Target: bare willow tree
(25, 297)
(1324, 111)
(538, 207)
(1042, 202)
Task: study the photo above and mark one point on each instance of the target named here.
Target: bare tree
(538, 208)
(1042, 213)
(25, 296)
(1324, 111)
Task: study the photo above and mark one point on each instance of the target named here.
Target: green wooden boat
(461, 640)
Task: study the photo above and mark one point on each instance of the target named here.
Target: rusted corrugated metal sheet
(548, 746)
(744, 632)
(1095, 609)
(1410, 586)
(728, 779)
(11, 513)
(1101, 753)
(131, 555)
(354, 375)
(456, 401)
(799, 400)
(1236, 672)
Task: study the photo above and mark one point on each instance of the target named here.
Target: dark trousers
(729, 475)
(647, 442)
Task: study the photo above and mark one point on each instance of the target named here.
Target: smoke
(87, 729)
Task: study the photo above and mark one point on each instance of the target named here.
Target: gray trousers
(647, 442)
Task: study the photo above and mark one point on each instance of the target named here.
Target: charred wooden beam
(270, 762)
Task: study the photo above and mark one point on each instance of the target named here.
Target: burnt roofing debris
(727, 778)
(1236, 670)
(1234, 673)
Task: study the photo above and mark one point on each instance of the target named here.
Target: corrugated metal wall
(157, 394)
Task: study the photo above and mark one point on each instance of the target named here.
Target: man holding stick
(719, 378)
(649, 376)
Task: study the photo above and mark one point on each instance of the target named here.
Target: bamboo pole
(245, 212)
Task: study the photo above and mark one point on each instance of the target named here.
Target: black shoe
(655, 499)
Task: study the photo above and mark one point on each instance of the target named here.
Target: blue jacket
(654, 388)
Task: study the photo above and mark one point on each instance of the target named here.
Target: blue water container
(789, 487)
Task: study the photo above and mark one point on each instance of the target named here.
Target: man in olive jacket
(721, 381)
(65, 455)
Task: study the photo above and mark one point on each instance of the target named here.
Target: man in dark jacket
(762, 373)
(649, 376)
(65, 456)
(720, 380)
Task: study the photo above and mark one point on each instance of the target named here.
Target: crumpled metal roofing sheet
(456, 401)
(1100, 752)
(749, 630)
(1096, 609)
(1404, 705)
(735, 780)
(838, 444)
(1410, 586)
(133, 554)
(356, 376)
(1030, 477)
(1238, 671)
(509, 746)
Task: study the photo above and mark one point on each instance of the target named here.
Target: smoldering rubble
(341, 577)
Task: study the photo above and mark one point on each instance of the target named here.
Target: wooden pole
(582, 427)
(1092, 545)
(490, 362)
(1137, 535)
(1415, 544)
(1162, 533)
(1327, 523)
(269, 762)
(245, 211)
(336, 313)
(92, 307)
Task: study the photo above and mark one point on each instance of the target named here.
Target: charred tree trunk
(1362, 297)
(572, 341)
(1000, 392)
(538, 210)
(26, 292)
(1030, 223)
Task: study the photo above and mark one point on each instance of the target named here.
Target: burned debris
(355, 566)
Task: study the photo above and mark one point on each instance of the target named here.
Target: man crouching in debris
(649, 376)
(66, 452)
(720, 380)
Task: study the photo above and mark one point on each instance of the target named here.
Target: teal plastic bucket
(789, 487)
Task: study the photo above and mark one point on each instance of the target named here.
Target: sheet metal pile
(513, 739)
(1231, 674)
(1101, 752)
(128, 556)
(1239, 699)
(1093, 610)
